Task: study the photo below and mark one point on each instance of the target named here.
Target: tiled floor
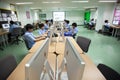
(103, 49)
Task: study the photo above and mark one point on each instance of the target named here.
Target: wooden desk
(90, 73)
(115, 30)
(4, 37)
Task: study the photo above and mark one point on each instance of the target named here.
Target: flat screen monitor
(5, 26)
(18, 23)
(51, 33)
(35, 66)
(74, 62)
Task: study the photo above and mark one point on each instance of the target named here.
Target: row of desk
(3, 36)
(90, 72)
(115, 30)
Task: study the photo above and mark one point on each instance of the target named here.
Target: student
(91, 24)
(31, 39)
(73, 31)
(46, 25)
(12, 26)
(42, 31)
(107, 26)
(66, 23)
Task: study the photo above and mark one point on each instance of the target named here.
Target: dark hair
(51, 21)
(67, 21)
(92, 19)
(28, 26)
(74, 24)
(41, 25)
(106, 21)
(12, 22)
(46, 21)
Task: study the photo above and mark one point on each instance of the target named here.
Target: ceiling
(59, 4)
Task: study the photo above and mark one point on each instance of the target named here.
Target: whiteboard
(58, 16)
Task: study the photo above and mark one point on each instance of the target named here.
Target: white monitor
(5, 26)
(74, 62)
(35, 66)
(51, 34)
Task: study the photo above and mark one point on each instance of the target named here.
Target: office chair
(74, 35)
(26, 42)
(1, 41)
(7, 65)
(106, 31)
(83, 43)
(15, 34)
(108, 72)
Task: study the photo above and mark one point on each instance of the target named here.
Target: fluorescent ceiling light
(79, 1)
(71, 7)
(107, 0)
(90, 7)
(24, 3)
(52, 2)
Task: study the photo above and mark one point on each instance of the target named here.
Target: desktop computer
(35, 66)
(6, 27)
(38, 64)
(73, 62)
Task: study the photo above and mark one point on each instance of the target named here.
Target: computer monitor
(35, 66)
(18, 23)
(51, 34)
(5, 26)
(74, 62)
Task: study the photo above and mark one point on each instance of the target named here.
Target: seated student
(73, 31)
(66, 24)
(30, 37)
(42, 31)
(91, 24)
(12, 26)
(107, 26)
(46, 24)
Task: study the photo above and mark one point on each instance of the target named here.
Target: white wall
(4, 5)
(94, 14)
(105, 11)
(35, 15)
(21, 10)
(73, 16)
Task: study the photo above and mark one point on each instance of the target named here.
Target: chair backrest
(83, 43)
(7, 65)
(108, 72)
(16, 31)
(105, 29)
(74, 35)
(26, 42)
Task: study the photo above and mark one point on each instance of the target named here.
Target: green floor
(103, 49)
